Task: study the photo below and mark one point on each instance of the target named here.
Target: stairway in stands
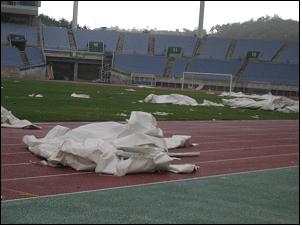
(120, 43)
(39, 33)
(279, 52)
(24, 58)
(231, 49)
(199, 45)
(151, 44)
(72, 42)
(168, 67)
(240, 71)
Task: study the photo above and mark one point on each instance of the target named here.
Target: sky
(167, 15)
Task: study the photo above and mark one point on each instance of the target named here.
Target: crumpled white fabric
(75, 95)
(8, 120)
(172, 98)
(264, 102)
(209, 103)
(110, 147)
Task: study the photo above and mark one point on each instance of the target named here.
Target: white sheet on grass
(8, 120)
(111, 147)
(173, 99)
(75, 95)
(263, 102)
(209, 103)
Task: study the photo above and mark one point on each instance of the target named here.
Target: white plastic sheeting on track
(111, 147)
(8, 120)
(263, 102)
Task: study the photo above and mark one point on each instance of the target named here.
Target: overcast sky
(167, 15)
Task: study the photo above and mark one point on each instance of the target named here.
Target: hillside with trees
(267, 28)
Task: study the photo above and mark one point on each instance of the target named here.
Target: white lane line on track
(212, 161)
(153, 183)
(247, 158)
(45, 176)
(206, 151)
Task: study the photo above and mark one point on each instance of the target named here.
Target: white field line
(150, 184)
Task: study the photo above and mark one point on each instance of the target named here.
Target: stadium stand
(290, 54)
(215, 48)
(162, 42)
(179, 67)
(214, 66)
(34, 55)
(136, 43)
(82, 37)
(267, 48)
(10, 57)
(29, 32)
(140, 64)
(55, 38)
(274, 73)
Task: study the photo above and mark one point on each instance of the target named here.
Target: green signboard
(174, 51)
(95, 46)
(253, 54)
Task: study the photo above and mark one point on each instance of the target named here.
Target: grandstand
(274, 68)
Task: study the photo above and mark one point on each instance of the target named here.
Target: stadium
(243, 152)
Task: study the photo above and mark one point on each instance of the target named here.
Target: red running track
(225, 146)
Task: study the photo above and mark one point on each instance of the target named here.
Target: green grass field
(108, 101)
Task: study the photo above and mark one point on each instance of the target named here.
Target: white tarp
(263, 102)
(75, 95)
(111, 147)
(8, 120)
(173, 99)
(209, 103)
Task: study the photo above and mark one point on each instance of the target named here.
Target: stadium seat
(215, 48)
(140, 64)
(179, 67)
(214, 66)
(10, 57)
(268, 48)
(162, 42)
(29, 32)
(55, 38)
(290, 54)
(136, 43)
(34, 55)
(82, 37)
(271, 73)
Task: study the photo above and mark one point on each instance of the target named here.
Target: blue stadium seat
(34, 55)
(82, 37)
(140, 64)
(215, 48)
(162, 42)
(179, 67)
(10, 57)
(290, 54)
(214, 66)
(55, 38)
(271, 73)
(136, 43)
(29, 32)
(268, 48)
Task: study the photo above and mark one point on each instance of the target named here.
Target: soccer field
(107, 102)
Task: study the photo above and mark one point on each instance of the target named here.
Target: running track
(225, 146)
